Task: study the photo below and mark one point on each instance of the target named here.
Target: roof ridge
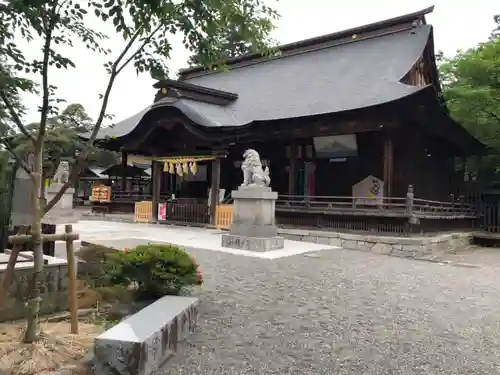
(315, 41)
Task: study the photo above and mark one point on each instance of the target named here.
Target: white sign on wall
(369, 191)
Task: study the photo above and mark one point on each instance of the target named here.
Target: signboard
(162, 211)
(369, 191)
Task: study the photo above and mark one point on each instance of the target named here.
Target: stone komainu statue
(62, 173)
(253, 174)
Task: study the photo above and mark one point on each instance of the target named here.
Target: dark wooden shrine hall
(325, 114)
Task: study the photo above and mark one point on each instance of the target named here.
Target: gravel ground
(342, 312)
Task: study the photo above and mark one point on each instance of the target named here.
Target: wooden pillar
(292, 172)
(123, 182)
(157, 172)
(388, 164)
(214, 188)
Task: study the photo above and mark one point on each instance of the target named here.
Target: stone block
(324, 240)
(254, 208)
(141, 344)
(251, 230)
(350, 245)
(324, 233)
(335, 242)
(62, 212)
(53, 289)
(293, 232)
(365, 246)
(350, 237)
(252, 243)
(381, 248)
(412, 248)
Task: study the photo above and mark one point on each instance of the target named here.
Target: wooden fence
(397, 215)
(224, 216)
(489, 220)
(143, 212)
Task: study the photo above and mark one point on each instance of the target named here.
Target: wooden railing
(490, 217)
(388, 207)
(395, 215)
(423, 207)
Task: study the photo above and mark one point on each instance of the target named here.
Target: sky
(457, 25)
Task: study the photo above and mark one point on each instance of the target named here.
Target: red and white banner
(162, 211)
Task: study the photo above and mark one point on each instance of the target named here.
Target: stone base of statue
(254, 226)
(62, 212)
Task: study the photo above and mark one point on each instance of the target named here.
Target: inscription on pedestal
(252, 243)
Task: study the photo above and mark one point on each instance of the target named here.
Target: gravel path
(342, 312)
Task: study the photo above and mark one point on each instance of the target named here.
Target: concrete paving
(193, 238)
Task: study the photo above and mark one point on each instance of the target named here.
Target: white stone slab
(29, 264)
(146, 322)
(140, 344)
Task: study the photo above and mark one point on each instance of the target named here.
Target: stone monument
(254, 226)
(22, 199)
(62, 212)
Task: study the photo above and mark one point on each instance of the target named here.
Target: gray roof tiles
(352, 75)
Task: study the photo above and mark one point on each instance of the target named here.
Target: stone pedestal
(62, 212)
(254, 226)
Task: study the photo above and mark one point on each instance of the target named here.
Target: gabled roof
(375, 28)
(353, 69)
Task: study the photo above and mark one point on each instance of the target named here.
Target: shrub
(92, 262)
(153, 270)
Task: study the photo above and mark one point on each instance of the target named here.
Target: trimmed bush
(92, 264)
(153, 271)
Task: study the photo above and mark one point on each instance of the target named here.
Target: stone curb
(420, 248)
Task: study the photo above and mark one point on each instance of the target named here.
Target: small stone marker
(141, 344)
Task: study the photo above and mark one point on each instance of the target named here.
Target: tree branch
(45, 74)
(80, 159)
(493, 115)
(145, 42)
(16, 118)
(23, 165)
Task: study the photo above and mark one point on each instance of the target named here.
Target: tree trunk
(31, 333)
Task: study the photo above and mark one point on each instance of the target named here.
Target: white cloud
(458, 25)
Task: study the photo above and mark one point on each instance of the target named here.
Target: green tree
(63, 140)
(235, 42)
(146, 28)
(471, 86)
(496, 31)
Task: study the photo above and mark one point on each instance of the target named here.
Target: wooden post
(123, 182)
(70, 255)
(388, 164)
(9, 271)
(215, 189)
(157, 172)
(292, 172)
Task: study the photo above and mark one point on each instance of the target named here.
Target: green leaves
(471, 86)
